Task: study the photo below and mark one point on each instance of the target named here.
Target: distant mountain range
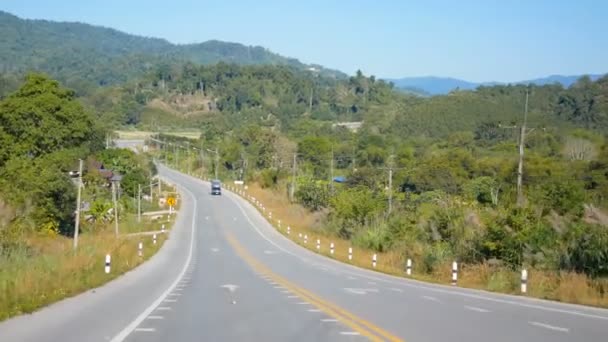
(78, 52)
(432, 85)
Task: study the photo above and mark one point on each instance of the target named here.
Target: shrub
(313, 195)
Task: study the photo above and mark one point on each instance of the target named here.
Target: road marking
(278, 287)
(303, 303)
(170, 300)
(352, 278)
(474, 308)
(550, 327)
(395, 289)
(292, 297)
(366, 328)
(329, 320)
(145, 329)
(163, 308)
(133, 325)
(175, 294)
(371, 282)
(359, 291)
(433, 299)
(215, 249)
(270, 252)
(285, 291)
(355, 291)
(314, 310)
(230, 287)
(349, 333)
(155, 317)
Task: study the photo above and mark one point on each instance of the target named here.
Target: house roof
(116, 177)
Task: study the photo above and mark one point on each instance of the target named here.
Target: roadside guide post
(108, 259)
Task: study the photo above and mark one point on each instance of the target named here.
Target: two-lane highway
(225, 274)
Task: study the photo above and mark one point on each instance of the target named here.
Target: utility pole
(310, 101)
(331, 171)
(160, 190)
(138, 203)
(217, 160)
(77, 223)
(390, 185)
(202, 163)
(293, 178)
(115, 208)
(354, 166)
(188, 155)
(520, 167)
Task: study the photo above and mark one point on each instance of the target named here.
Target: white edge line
(349, 269)
(474, 308)
(328, 320)
(349, 333)
(133, 325)
(548, 326)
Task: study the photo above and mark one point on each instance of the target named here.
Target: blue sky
(489, 40)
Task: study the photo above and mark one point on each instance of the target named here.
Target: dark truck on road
(216, 187)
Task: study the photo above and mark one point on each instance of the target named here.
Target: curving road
(226, 275)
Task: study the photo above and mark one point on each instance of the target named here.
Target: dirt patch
(595, 216)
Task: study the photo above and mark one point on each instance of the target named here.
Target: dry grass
(561, 286)
(45, 269)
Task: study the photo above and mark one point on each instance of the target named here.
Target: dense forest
(83, 56)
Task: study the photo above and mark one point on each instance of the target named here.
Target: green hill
(85, 55)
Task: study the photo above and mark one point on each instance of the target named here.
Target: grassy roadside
(560, 286)
(45, 269)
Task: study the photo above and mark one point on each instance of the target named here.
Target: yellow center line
(358, 324)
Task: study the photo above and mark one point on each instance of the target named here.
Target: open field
(136, 135)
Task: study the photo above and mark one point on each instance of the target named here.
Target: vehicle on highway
(216, 187)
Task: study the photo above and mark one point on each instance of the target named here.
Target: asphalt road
(226, 275)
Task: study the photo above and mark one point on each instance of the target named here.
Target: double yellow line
(363, 327)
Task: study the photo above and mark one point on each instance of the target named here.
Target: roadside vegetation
(453, 160)
(44, 131)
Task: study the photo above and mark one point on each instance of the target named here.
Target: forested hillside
(189, 96)
(85, 56)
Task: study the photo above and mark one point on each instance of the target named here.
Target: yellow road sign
(171, 201)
